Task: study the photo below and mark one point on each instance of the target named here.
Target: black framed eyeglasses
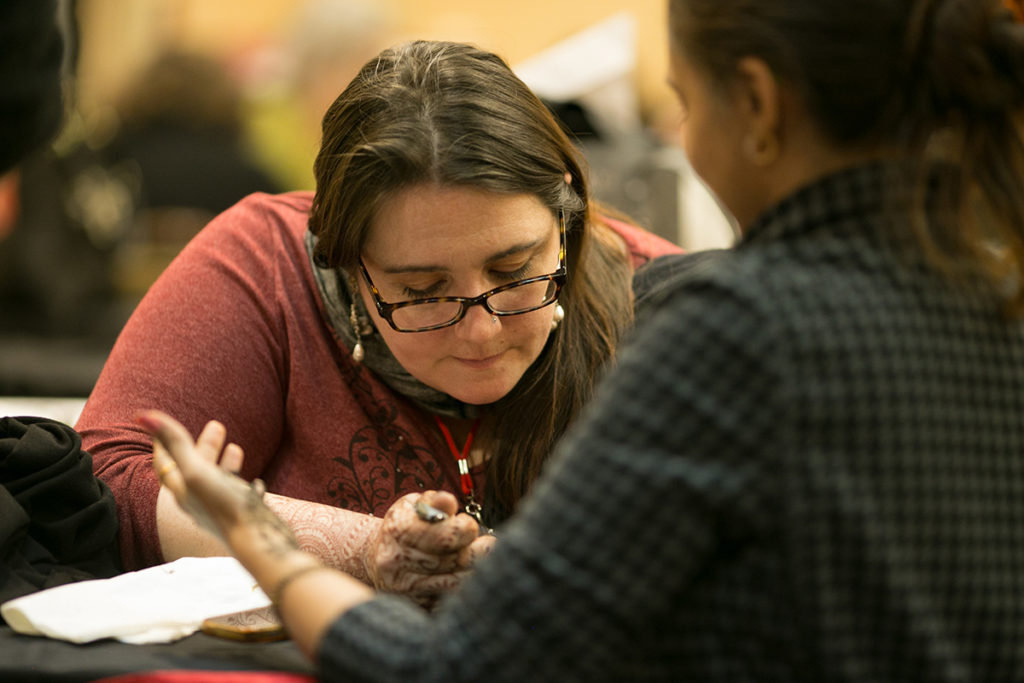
(514, 298)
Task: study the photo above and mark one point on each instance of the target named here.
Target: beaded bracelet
(277, 592)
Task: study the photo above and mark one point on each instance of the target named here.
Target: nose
(477, 324)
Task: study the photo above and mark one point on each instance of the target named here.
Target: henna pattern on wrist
(337, 536)
(275, 534)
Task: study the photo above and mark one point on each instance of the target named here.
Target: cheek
(711, 151)
(410, 350)
(695, 149)
(531, 331)
(704, 145)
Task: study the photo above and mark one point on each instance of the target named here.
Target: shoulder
(659, 277)
(641, 245)
(720, 296)
(255, 246)
(289, 210)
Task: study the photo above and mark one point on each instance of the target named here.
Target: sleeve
(639, 497)
(204, 343)
(641, 245)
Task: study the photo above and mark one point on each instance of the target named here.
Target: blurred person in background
(397, 331)
(181, 129)
(98, 222)
(328, 43)
(320, 49)
(182, 149)
(806, 466)
(50, 277)
(31, 56)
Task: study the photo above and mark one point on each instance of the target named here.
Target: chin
(480, 394)
(481, 398)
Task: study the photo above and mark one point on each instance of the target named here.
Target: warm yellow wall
(121, 34)
(519, 29)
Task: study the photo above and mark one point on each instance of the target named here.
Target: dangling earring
(359, 326)
(762, 150)
(559, 314)
(353, 318)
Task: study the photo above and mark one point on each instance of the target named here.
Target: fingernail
(429, 513)
(146, 421)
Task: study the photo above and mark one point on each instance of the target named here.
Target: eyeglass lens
(517, 299)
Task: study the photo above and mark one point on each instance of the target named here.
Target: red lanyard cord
(461, 457)
(474, 508)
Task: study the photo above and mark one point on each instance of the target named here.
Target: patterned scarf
(337, 295)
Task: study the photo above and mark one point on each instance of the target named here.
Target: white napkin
(155, 605)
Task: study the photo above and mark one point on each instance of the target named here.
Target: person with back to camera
(806, 465)
(447, 311)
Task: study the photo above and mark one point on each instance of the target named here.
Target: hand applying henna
(424, 559)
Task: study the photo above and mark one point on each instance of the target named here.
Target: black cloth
(31, 50)
(29, 659)
(806, 466)
(58, 523)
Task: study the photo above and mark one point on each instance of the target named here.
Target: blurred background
(179, 108)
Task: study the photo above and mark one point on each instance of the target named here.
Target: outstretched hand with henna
(202, 475)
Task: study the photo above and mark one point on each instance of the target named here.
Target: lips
(480, 362)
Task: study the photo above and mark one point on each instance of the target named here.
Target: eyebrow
(497, 256)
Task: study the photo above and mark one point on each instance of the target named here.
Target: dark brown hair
(928, 80)
(451, 114)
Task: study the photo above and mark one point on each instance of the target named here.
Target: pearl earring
(557, 318)
(360, 326)
(353, 318)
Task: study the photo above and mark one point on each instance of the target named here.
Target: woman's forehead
(439, 221)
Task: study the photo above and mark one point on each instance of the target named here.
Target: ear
(760, 93)
(759, 96)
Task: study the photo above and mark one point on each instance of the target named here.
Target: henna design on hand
(277, 538)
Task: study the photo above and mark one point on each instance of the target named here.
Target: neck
(801, 165)
(458, 426)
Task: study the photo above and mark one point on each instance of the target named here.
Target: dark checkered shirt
(808, 466)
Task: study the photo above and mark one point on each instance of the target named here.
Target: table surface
(30, 658)
(62, 409)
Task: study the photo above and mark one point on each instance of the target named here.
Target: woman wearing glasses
(432, 318)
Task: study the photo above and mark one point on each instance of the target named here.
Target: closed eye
(410, 293)
(517, 274)
(435, 289)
